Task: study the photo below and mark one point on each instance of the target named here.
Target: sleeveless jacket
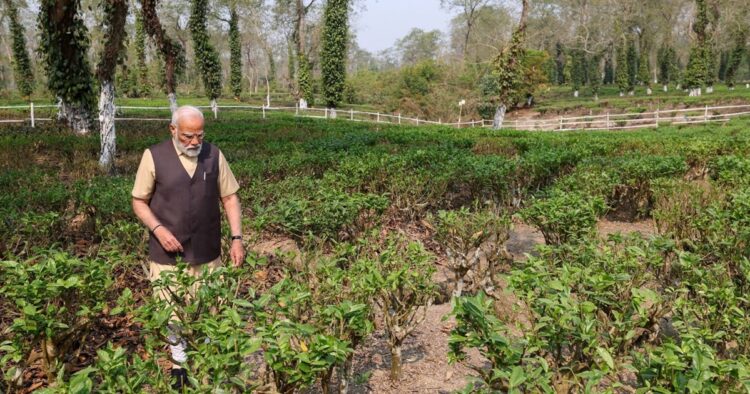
(188, 207)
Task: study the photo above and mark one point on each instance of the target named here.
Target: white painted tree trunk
(596, 97)
(575, 93)
(731, 88)
(622, 94)
(76, 117)
(332, 113)
(665, 88)
(302, 103)
(268, 92)
(107, 126)
(649, 91)
(497, 121)
(172, 102)
(214, 108)
(709, 89)
(694, 92)
(747, 86)
(631, 93)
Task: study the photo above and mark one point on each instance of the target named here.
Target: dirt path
(425, 369)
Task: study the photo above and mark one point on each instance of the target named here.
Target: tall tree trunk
(76, 116)
(302, 63)
(114, 30)
(497, 121)
(172, 97)
(64, 45)
(465, 48)
(169, 49)
(214, 107)
(107, 126)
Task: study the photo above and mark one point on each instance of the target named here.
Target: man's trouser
(177, 345)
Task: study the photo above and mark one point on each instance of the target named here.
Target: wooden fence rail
(34, 113)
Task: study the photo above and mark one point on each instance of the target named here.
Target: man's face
(188, 134)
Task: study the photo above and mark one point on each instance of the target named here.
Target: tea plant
(210, 312)
(471, 238)
(512, 370)
(397, 278)
(296, 349)
(564, 217)
(54, 300)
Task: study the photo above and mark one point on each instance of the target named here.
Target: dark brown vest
(188, 207)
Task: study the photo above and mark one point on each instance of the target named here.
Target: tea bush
(470, 239)
(564, 217)
(54, 299)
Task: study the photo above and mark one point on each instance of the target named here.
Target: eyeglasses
(191, 137)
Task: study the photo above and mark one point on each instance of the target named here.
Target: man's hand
(167, 240)
(237, 253)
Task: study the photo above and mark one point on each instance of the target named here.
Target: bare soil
(425, 360)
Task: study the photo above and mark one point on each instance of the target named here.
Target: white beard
(188, 152)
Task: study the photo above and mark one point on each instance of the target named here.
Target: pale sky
(379, 23)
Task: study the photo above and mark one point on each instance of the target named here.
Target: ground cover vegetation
(573, 57)
(373, 209)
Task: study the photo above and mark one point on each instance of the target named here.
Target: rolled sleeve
(145, 178)
(227, 183)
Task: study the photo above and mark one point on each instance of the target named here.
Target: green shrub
(511, 369)
(328, 214)
(213, 312)
(632, 197)
(564, 217)
(730, 171)
(54, 300)
(397, 278)
(475, 245)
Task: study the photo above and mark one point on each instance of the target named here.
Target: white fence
(32, 114)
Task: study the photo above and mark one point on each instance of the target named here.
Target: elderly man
(177, 190)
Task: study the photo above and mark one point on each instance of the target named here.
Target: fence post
(351, 113)
(657, 117)
(296, 108)
(378, 118)
(326, 112)
(33, 123)
(607, 120)
(561, 123)
(399, 118)
(216, 111)
(705, 115)
(264, 111)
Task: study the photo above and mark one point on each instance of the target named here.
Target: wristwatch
(236, 237)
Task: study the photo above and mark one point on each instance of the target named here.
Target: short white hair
(185, 110)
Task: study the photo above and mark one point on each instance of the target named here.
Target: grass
(560, 100)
